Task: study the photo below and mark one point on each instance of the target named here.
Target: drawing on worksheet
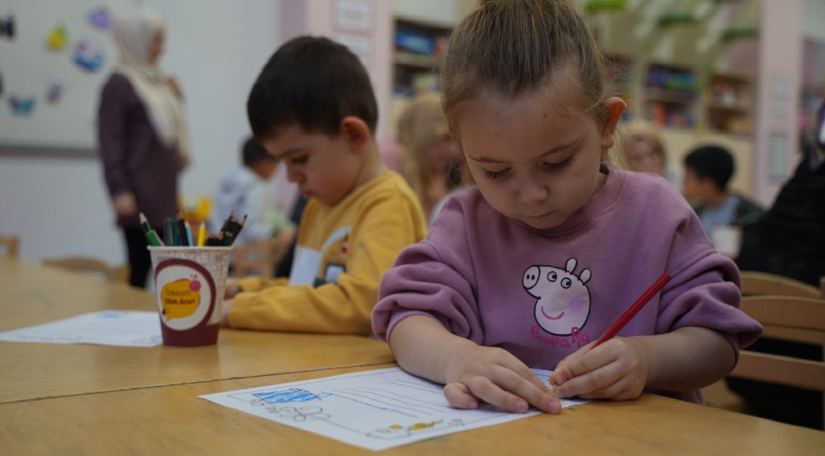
(377, 409)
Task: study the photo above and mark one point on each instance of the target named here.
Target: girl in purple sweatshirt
(532, 265)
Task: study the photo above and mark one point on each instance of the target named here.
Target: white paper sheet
(121, 328)
(376, 409)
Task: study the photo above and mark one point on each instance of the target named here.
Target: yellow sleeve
(377, 237)
(259, 283)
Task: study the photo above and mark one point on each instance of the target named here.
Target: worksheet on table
(120, 328)
(376, 409)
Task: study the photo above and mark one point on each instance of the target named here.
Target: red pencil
(633, 310)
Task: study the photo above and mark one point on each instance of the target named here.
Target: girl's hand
(496, 377)
(615, 370)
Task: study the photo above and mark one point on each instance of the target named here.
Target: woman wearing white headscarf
(142, 134)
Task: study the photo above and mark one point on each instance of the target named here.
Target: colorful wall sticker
(58, 36)
(21, 107)
(55, 89)
(7, 29)
(88, 55)
(100, 18)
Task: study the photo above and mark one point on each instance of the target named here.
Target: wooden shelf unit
(417, 50)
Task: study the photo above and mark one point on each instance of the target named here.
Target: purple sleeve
(705, 289)
(111, 133)
(432, 278)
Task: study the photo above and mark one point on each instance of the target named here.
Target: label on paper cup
(186, 293)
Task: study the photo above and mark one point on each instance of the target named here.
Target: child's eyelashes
(546, 165)
(560, 165)
(497, 174)
(298, 160)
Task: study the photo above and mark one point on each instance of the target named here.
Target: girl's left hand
(615, 370)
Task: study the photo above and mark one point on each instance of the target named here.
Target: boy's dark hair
(712, 162)
(254, 152)
(314, 82)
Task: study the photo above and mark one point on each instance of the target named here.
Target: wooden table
(173, 420)
(31, 295)
(100, 400)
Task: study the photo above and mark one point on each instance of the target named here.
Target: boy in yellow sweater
(313, 107)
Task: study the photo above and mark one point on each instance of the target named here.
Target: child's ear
(613, 109)
(355, 131)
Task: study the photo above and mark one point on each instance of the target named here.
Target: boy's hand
(614, 370)
(496, 377)
(231, 289)
(227, 306)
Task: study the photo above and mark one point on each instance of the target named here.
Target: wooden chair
(257, 258)
(114, 273)
(822, 286)
(10, 244)
(761, 283)
(784, 312)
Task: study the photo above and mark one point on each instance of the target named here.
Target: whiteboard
(48, 99)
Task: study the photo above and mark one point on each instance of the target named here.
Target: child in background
(243, 191)
(644, 152)
(553, 244)
(313, 107)
(428, 152)
(723, 214)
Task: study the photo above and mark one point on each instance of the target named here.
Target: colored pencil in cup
(181, 230)
(151, 235)
(189, 233)
(154, 239)
(144, 223)
(227, 223)
(202, 235)
(168, 233)
(633, 310)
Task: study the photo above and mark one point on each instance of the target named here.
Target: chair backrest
(258, 257)
(114, 273)
(10, 244)
(822, 286)
(787, 312)
(761, 283)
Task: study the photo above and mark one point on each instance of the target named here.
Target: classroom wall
(56, 200)
(813, 18)
(445, 13)
(776, 142)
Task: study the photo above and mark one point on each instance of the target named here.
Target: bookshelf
(674, 96)
(670, 95)
(417, 50)
(728, 103)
